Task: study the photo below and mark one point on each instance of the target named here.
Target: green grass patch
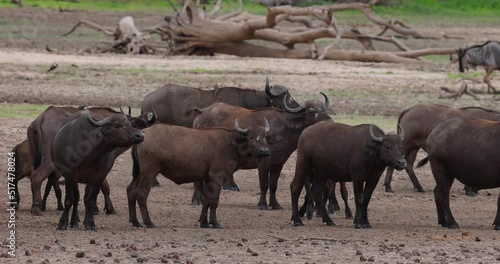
(459, 75)
(21, 110)
(386, 123)
(438, 58)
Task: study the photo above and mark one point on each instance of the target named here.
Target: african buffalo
(418, 122)
(344, 153)
(486, 55)
(186, 155)
(84, 151)
(286, 127)
(175, 104)
(40, 134)
(466, 150)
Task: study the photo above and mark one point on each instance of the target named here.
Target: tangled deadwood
(196, 31)
(457, 94)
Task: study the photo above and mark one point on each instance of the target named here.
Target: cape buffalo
(40, 134)
(418, 122)
(175, 104)
(84, 151)
(186, 155)
(286, 127)
(466, 150)
(344, 153)
(486, 55)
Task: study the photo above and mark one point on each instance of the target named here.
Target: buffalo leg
(303, 167)
(273, 186)
(48, 187)
(333, 203)
(388, 179)
(90, 203)
(317, 191)
(75, 218)
(343, 193)
(197, 192)
(132, 201)
(68, 202)
(410, 157)
(496, 223)
(37, 178)
(231, 185)
(156, 183)
(307, 208)
(442, 195)
(57, 190)
(106, 191)
(365, 201)
(214, 191)
(264, 185)
(142, 193)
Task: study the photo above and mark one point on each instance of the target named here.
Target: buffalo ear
(371, 150)
(273, 139)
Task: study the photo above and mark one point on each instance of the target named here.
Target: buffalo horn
(267, 127)
(121, 110)
(327, 102)
(376, 139)
(401, 132)
(91, 120)
(291, 110)
(129, 111)
(153, 117)
(268, 89)
(238, 128)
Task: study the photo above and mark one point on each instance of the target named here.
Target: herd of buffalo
(191, 135)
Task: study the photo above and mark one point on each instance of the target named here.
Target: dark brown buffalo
(418, 122)
(186, 155)
(343, 153)
(175, 104)
(466, 150)
(84, 151)
(40, 134)
(286, 127)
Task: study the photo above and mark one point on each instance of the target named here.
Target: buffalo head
(276, 94)
(255, 138)
(388, 148)
(117, 130)
(310, 113)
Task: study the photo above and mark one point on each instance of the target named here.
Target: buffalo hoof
(62, 227)
(389, 189)
(74, 225)
(156, 183)
(276, 207)
(135, 223)
(60, 207)
(330, 223)
(298, 223)
(263, 207)
(362, 226)
(497, 227)
(205, 225)
(110, 211)
(150, 225)
(44, 208)
(454, 226)
(420, 189)
(348, 214)
(35, 210)
(231, 187)
(470, 193)
(90, 228)
(216, 226)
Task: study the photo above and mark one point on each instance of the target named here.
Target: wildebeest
(84, 151)
(466, 150)
(486, 55)
(40, 135)
(344, 153)
(418, 122)
(286, 127)
(175, 104)
(186, 155)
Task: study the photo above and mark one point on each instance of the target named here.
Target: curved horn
(86, 114)
(326, 105)
(291, 110)
(238, 128)
(129, 111)
(401, 132)
(376, 139)
(268, 88)
(267, 127)
(121, 110)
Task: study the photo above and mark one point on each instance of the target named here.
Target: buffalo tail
(422, 162)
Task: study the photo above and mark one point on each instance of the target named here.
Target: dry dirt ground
(404, 223)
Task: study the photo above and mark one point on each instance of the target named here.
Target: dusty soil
(404, 223)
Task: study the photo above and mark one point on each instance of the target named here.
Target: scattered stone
(62, 248)
(141, 259)
(116, 260)
(80, 254)
(46, 247)
(134, 254)
(244, 240)
(402, 245)
(29, 261)
(362, 258)
(253, 253)
(239, 244)
(477, 239)
(108, 254)
(46, 261)
(371, 259)
(417, 260)
(92, 260)
(358, 252)
(92, 241)
(280, 240)
(213, 261)
(314, 243)
(109, 246)
(56, 241)
(164, 260)
(28, 252)
(464, 234)
(211, 240)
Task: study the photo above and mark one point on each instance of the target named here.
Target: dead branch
(18, 2)
(106, 30)
(457, 94)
